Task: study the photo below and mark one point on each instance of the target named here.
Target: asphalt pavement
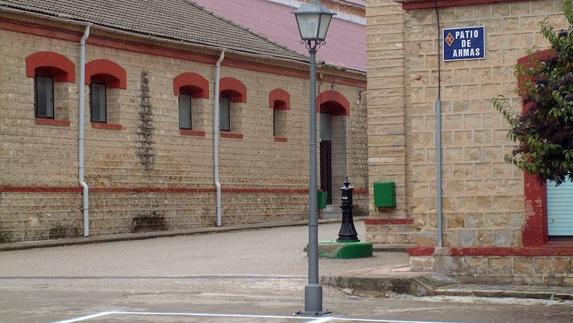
(244, 276)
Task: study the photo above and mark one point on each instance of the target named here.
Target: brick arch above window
(333, 102)
(233, 88)
(59, 65)
(112, 73)
(195, 84)
(279, 99)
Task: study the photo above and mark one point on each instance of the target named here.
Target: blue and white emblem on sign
(464, 43)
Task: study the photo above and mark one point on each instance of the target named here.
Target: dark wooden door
(326, 169)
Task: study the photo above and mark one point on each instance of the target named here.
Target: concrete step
(384, 247)
(383, 283)
(331, 212)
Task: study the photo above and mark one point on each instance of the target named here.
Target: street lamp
(313, 20)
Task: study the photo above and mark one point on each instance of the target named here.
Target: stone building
(149, 101)
(498, 225)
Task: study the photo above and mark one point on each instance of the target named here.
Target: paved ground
(243, 276)
(260, 252)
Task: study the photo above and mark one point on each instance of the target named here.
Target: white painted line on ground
(87, 317)
(312, 319)
(216, 315)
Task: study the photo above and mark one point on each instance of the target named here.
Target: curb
(411, 283)
(505, 292)
(153, 235)
(435, 284)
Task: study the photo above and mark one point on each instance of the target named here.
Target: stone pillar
(386, 118)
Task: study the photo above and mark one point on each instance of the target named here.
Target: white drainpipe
(82, 86)
(216, 137)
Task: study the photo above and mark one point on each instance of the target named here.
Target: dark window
(185, 111)
(275, 122)
(44, 96)
(98, 102)
(225, 114)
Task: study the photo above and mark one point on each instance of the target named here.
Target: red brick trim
(430, 4)
(279, 99)
(191, 132)
(77, 189)
(231, 135)
(286, 191)
(234, 88)
(59, 65)
(52, 122)
(333, 102)
(388, 221)
(40, 189)
(152, 190)
(344, 81)
(421, 251)
(143, 48)
(520, 252)
(535, 230)
(531, 60)
(108, 126)
(546, 251)
(114, 75)
(361, 191)
(197, 85)
(281, 139)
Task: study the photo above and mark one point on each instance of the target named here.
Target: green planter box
(385, 195)
(322, 199)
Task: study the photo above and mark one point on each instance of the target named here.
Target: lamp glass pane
(307, 25)
(324, 23)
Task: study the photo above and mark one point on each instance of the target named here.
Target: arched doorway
(333, 109)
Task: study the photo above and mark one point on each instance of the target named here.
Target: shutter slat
(560, 209)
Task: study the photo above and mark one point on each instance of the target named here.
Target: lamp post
(313, 21)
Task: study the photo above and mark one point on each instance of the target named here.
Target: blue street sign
(464, 43)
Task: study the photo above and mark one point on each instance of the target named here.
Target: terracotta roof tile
(345, 44)
(180, 20)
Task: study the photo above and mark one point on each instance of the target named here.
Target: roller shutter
(560, 209)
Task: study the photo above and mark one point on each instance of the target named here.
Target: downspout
(81, 166)
(216, 138)
(439, 148)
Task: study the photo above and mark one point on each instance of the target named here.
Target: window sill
(280, 139)
(52, 122)
(231, 135)
(109, 126)
(190, 132)
(565, 243)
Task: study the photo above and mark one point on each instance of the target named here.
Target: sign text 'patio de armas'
(464, 43)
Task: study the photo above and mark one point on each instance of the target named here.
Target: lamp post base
(313, 301)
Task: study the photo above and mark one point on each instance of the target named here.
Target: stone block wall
(172, 188)
(483, 195)
(387, 150)
(552, 270)
(484, 202)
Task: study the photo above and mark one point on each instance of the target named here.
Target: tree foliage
(544, 131)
